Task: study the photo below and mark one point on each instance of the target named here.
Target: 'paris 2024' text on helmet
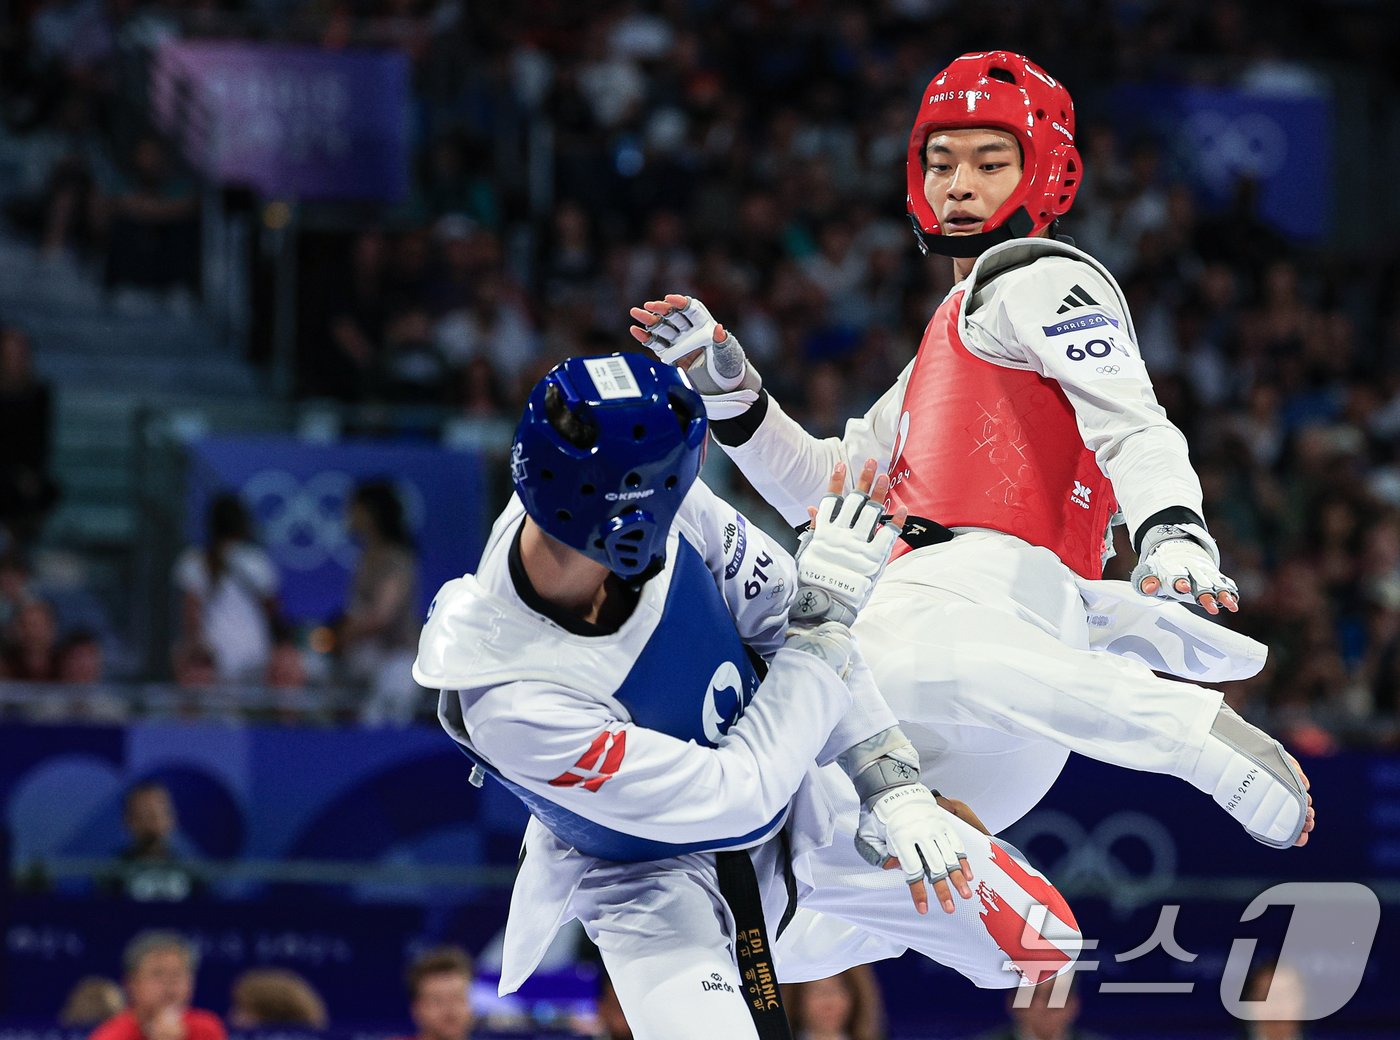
(607, 448)
(1001, 91)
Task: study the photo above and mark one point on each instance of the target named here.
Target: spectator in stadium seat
(27, 491)
(159, 968)
(1045, 1017)
(151, 870)
(847, 1006)
(82, 698)
(478, 391)
(31, 643)
(439, 988)
(228, 591)
(495, 325)
(286, 667)
(152, 227)
(92, 1000)
(612, 1022)
(264, 997)
(193, 666)
(410, 369)
(341, 363)
(287, 680)
(378, 636)
(1281, 992)
(79, 658)
(16, 588)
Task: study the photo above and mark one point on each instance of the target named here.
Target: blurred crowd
(574, 160)
(235, 655)
(155, 1001)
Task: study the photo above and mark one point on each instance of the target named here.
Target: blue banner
(298, 493)
(1217, 136)
(391, 797)
(1161, 880)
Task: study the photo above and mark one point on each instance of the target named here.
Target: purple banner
(297, 122)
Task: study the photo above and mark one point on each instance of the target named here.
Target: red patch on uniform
(609, 746)
(1044, 893)
(1034, 957)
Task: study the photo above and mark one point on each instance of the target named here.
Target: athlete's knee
(1028, 920)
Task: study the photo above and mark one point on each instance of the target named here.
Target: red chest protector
(980, 445)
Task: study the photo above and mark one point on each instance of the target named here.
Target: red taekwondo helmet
(1003, 91)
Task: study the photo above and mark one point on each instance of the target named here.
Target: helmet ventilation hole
(546, 474)
(671, 482)
(1040, 113)
(634, 480)
(564, 515)
(639, 432)
(587, 489)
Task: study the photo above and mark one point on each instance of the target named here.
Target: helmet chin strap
(1018, 225)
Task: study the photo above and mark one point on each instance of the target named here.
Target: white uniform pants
(981, 646)
(666, 935)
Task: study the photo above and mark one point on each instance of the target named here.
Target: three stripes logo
(598, 764)
(1077, 298)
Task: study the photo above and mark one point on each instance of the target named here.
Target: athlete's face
(968, 174)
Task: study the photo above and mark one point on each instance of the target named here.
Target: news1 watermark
(1317, 970)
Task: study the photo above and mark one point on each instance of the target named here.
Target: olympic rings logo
(1130, 856)
(1228, 146)
(1108, 370)
(302, 521)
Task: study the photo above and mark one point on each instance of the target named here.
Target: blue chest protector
(689, 686)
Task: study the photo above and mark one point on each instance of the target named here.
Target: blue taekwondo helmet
(605, 452)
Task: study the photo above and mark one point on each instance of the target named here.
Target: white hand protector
(841, 558)
(721, 374)
(830, 642)
(1171, 552)
(908, 824)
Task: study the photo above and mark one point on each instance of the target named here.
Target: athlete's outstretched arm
(1096, 362)
(787, 465)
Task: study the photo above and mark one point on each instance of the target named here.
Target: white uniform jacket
(1016, 296)
(1018, 299)
(654, 741)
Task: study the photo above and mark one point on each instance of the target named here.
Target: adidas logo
(1077, 298)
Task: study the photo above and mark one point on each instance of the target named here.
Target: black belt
(920, 531)
(739, 886)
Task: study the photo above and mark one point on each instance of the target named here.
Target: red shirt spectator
(191, 1024)
(159, 986)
